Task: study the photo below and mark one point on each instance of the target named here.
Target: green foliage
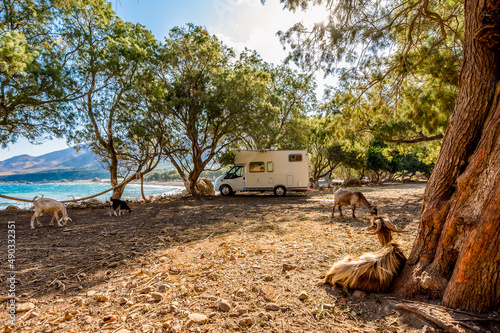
(210, 98)
(34, 70)
(397, 63)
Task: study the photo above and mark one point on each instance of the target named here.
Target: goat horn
(379, 226)
(391, 226)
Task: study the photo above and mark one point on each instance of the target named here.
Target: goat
(46, 205)
(118, 205)
(353, 198)
(372, 271)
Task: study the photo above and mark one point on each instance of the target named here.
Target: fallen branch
(445, 326)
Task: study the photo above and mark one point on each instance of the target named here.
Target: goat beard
(372, 271)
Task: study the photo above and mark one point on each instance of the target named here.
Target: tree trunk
(456, 254)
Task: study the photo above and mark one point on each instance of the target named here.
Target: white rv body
(266, 170)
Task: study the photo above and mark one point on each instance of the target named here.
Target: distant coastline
(80, 189)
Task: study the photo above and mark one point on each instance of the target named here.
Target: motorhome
(266, 170)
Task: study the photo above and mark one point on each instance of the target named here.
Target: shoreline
(89, 181)
(61, 191)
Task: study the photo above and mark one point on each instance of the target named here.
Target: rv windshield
(235, 172)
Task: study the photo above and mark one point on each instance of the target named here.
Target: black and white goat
(118, 205)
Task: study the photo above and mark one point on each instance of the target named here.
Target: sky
(238, 23)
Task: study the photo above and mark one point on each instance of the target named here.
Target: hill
(67, 164)
(66, 159)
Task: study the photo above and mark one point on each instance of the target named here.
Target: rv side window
(257, 167)
(270, 166)
(295, 158)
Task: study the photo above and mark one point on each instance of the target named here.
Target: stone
(240, 292)
(328, 306)
(163, 287)
(148, 289)
(157, 296)
(91, 293)
(122, 301)
(288, 267)
(204, 186)
(123, 330)
(24, 307)
(224, 306)
(303, 296)
(264, 316)
(33, 314)
(109, 318)
(101, 298)
(246, 321)
(240, 311)
(68, 316)
(199, 287)
(358, 294)
(272, 306)
(198, 318)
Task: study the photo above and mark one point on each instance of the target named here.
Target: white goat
(46, 205)
(344, 197)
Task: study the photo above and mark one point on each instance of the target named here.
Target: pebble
(23, 307)
(272, 306)
(101, 298)
(91, 293)
(196, 318)
(163, 287)
(199, 287)
(109, 318)
(33, 314)
(328, 306)
(246, 321)
(123, 330)
(240, 292)
(240, 311)
(122, 300)
(224, 306)
(148, 289)
(288, 267)
(358, 294)
(68, 316)
(157, 296)
(303, 295)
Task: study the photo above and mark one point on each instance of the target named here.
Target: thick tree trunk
(456, 254)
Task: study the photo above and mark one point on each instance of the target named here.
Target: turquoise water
(68, 191)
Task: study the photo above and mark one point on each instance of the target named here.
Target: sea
(69, 191)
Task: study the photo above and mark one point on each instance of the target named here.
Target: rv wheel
(226, 190)
(280, 191)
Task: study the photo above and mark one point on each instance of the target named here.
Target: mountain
(66, 164)
(66, 159)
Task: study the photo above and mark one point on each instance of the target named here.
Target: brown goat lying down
(372, 271)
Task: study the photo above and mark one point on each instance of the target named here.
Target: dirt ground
(250, 262)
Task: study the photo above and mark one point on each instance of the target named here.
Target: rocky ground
(250, 262)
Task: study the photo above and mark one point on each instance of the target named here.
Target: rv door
(236, 178)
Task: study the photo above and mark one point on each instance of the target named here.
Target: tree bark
(456, 254)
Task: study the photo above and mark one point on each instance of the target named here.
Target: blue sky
(238, 23)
